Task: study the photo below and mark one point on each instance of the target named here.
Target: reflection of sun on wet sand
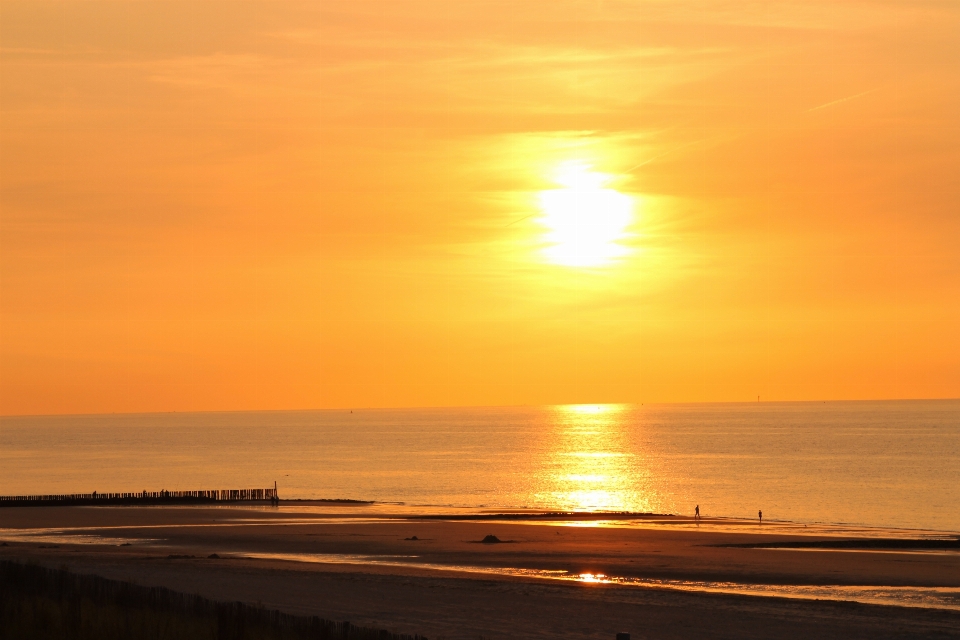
(571, 575)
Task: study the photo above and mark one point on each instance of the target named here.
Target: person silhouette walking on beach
(696, 514)
(760, 513)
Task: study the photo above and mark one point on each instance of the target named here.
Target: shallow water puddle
(61, 536)
(924, 597)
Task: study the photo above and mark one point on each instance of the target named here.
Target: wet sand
(358, 563)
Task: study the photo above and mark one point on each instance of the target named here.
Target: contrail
(658, 156)
(830, 104)
(520, 220)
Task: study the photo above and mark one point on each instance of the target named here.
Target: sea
(892, 464)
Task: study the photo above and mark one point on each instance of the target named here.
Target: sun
(586, 221)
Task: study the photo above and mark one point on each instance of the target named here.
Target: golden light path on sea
(590, 468)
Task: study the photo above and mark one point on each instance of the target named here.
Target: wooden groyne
(142, 498)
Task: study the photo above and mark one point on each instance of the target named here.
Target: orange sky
(226, 205)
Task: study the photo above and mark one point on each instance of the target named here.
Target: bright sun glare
(585, 220)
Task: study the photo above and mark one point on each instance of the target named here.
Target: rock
(491, 539)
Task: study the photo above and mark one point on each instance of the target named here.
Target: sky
(350, 203)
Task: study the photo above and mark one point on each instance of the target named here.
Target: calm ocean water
(891, 463)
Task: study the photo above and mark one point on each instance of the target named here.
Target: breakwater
(142, 498)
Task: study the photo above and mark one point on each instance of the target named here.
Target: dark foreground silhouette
(41, 604)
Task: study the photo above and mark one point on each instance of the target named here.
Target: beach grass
(55, 604)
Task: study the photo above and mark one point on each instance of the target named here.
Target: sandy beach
(550, 576)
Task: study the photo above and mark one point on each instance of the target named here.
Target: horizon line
(491, 406)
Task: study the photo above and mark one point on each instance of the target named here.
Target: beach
(551, 575)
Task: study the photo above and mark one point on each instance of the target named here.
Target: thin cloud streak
(842, 100)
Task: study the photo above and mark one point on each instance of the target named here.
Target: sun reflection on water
(590, 408)
(592, 577)
(591, 465)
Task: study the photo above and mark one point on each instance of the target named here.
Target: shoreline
(877, 535)
(482, 512)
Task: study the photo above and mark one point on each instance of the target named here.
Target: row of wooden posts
(214, 495)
